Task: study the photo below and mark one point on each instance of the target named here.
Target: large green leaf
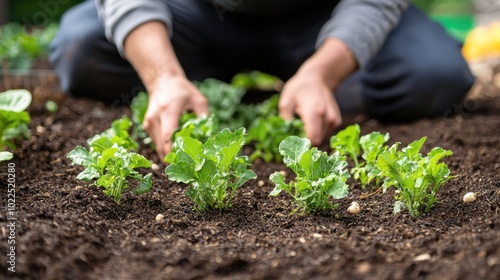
(15, 100)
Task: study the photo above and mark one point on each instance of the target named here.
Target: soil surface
(68, 229)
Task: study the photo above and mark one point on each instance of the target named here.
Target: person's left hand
(309, 96)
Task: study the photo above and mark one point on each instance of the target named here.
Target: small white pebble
(260, 183)
(159, 218)
(469, 197)
(155, 166)
(40, 129)
(354, 208)
(283, 172)
(422, 257)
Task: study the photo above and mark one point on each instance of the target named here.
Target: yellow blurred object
(482, 43)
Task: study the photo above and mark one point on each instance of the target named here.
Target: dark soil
(68, 229)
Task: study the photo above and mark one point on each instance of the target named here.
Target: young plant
(346, 142)
(14, 119)
(372, 145)
(256, 80)
(139, 107)
(113, 168)
(198, 128)
(319, 176)
(268, 132)
(213, 169)
(223, 100)
(417, 178)
(116, 134)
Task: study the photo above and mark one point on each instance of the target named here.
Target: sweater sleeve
(120, 17)
(363, 25)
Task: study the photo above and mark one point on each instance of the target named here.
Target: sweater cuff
(134, 18)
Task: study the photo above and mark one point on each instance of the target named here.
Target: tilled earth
(68, 229)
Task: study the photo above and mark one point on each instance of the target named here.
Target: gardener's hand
(169, 97)
(309, 97)
(309, 93)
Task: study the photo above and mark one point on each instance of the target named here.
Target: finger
(169, 122)
(200, 106)
(286, 108)
(313, 119)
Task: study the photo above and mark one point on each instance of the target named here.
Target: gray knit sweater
(362, 24)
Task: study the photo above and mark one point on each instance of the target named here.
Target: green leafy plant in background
(117, 134)
(20, 46)
(213, 170)
(256, 80)
(268, 132)
(223, 100)
(198, 128)
(415, 177)
(139, 106)
(318, 176)
(113, 168)
(14, 120)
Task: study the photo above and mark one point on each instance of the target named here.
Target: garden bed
(68, 229)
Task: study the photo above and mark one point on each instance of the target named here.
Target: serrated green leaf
(145, 184)
(80, 156)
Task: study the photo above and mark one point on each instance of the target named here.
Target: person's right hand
(169, 97)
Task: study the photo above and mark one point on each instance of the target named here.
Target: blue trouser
(419, 72)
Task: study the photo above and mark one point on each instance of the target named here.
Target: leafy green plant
(346, 142)
(417, 178)
(117, 134)
(213, 169)
(198, 128)
(19, 47)
(112, 167)
(268, 132)
(223, 100)
(139, 106)
(318, 176)
(256, 80)
(14, 119)
(372, 145)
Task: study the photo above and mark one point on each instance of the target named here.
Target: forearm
(149, 50)
(332, 62)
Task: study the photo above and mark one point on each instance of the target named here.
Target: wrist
(331, 63)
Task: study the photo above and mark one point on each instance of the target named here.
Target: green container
(456, 16)
(38, 12)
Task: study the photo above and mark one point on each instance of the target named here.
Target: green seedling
(116, 134)
(14, 120)
(268, 132)
(139, 107)
(213, 170)
(113, 168)
(51, 106)
(417, 178)
(198, 128)
(318, 176)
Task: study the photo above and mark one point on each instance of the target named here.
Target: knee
(436, 85)
(417, 88)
